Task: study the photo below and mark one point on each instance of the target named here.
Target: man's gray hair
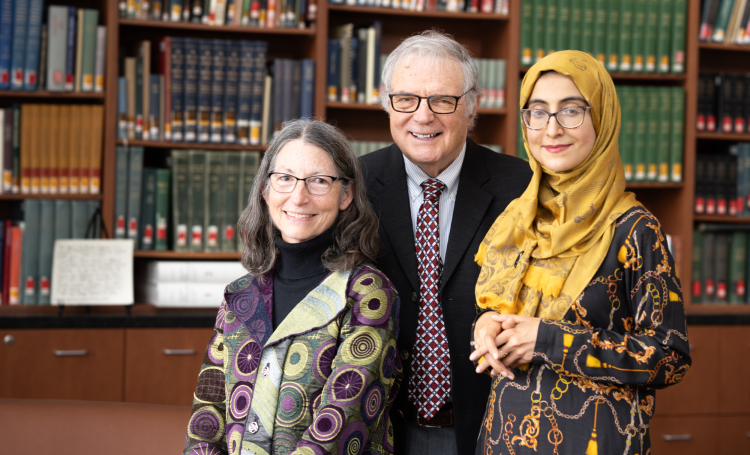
(436, 48)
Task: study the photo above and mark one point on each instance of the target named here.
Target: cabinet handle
(179, 351)
(9, 340)
(677, 437)
(71, 353)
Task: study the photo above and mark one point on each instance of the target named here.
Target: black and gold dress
(591, 385)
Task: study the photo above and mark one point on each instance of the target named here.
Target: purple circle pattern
(293, 405)
(323, 360)
(328, 424)
(240, 400)
(245, 303)
(258, 329)
(373, 401)
(247, 359)
(352, 439)
(388, 364)
(347, 385)
(284, 441)
(315, 400)
(204, 449)
(205, 425)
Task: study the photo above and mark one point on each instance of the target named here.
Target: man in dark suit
(437, 193)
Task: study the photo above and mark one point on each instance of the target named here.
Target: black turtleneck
(299, 270)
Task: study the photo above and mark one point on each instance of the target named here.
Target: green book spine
(148, 208)
(214, 209)
(575, 24)
(135, 176)
(139, 98)
(46, 244)
(663, 48)
(678, 132)
(231, 200)
(639, 34)
(30, 251)
(737, 267)
(650, 36)
(600, 31)
(664, 133)
(482, 74)
(491, 79)
(538, 31)
(249, 162)
(550, 28)
(79, 219)
(527, 9)
(721, 266)
(88, 49)
(62, 219)
(161, 208)
(722, 20)
(197, 197)
(180, 200)
(121, 191)
(501, 69)
(707, 267)
(612, 34)
(563, 21)
(679, 22)
(652, 140)
(587, 30)
(697, 275)
(641, 130)
(625, 44)
(627, 104)
(91, 207)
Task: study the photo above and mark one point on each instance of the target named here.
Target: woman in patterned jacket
(584, 307)
(303, 359)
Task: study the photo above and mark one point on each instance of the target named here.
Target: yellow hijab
(545, 248)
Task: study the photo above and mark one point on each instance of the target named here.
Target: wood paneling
(734, 393)
(734, 435)
(684, 435)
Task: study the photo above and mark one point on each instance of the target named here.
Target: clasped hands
(505, 340)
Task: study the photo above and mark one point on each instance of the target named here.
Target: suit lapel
(471, 205)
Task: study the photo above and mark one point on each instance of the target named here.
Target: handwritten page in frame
(92, 272)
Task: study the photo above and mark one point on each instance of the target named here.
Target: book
(527, 9)
(650, 36)
(214, 203)
(737, 267)
(332, 84)
(625, 35)
(33, 44)
(30, 251)
(663, 37)
(664, 134)
(57, 34)
(6, 42)
(721, 261)
(600, 26)
(154, 92)
(70, 54)
(130, 78)
(142, 89)
(46, 246)
(20, 20)
(176, 77)
(678, 130)
(708, 18)
(653, 140)
(612, 35)
(190, 89)
(722, 20)
(626, 96)
(218, 67)
(256, 98)
(641, 130)
(146, 236)
(249, 163)
(100, 59)
(538, 24)
(7, 144)
(197, 198)
(230, 201)
(161, 209)
(87, 49)
(707, 267)
(696, 285)
(639, 35)
(231, 92)
(14, 269)
(135, 176)
(550, 27)
(204, 90)
(679, 22)
(180, 203)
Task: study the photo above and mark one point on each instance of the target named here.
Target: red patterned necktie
(429, 385)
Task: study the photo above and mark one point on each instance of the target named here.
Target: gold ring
(503, 355)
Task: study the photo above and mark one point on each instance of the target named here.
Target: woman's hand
(486, 330)
(516, 338)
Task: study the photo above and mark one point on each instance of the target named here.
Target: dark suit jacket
(487, 183)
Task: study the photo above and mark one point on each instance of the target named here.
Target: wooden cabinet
(734, 435)
(734, 393)
(162, 365)
(684, 435)
(70, 364)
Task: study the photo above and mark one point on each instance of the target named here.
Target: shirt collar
(415, 176)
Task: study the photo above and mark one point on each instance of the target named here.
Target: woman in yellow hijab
(583, 307)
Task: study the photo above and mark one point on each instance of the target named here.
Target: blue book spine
(177, 73)
(218, 68)
(278, 93)
(20, 21)
(308, 88)
(376, 71)
(230, 91)
(190, 99)
(354, 89)
(6, 42)
(33, 45)
(332, 83)
(245, 91)
(154, 91)
(122, 108)
(256, 102)
(204, 90)
(70, 57)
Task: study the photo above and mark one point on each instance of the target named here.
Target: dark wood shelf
(20, 197)
(425, 14)
(717, 308)
(722, 136)
(191, 145)
(722, 219)
(216, 28)
(655, 77)
(653, 185)
(52, 95)
(724, 47)
(188, 255)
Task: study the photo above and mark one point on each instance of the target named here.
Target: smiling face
(299, 215)
(554, 147)
(431, 141)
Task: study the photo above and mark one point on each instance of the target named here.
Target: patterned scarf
(546, 246)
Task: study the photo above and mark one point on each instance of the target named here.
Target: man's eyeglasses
(316, 184)
(569, 117)
(439, 104)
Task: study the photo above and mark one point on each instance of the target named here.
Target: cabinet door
(697, 393)
(734, 394)
(69, 364)
(734, 433)
(684, 435)
(162, 365)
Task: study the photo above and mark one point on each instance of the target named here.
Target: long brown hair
(355, 233)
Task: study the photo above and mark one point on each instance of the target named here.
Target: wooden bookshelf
(190, 145)
(722, 219)
(203, 28)
(723, 136)
(21, 197)
(416, 14)
(724, 47)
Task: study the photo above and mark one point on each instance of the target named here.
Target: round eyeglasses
(569, 117)
(317, 185)
(439, 104)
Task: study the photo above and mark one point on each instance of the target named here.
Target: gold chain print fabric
(590, 388)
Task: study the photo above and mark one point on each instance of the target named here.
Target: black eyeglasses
(316, 184)
(439, 104)
(569, 117)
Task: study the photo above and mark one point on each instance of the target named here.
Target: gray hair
(355, 233)
(436, 47)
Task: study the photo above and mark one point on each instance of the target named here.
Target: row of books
(217, 91)
(492, 74)
(51, 148)
(623, 35)
(720, 268)
(725, 21)
(28, 240)
(468, 6)
(194, 206)
(723, 103)
(254, 13)
(354, 64)
(722, 182)
(65, 54)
